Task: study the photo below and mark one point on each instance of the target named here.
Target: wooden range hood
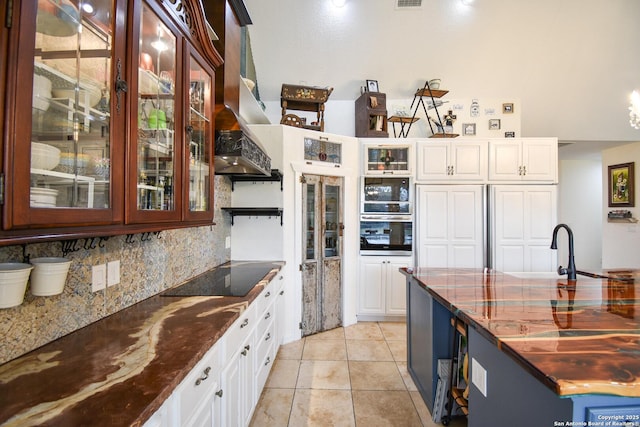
(237, 150)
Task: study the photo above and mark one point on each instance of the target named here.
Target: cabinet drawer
(199, 384)
(239, 331)
(267, 296)
(264, 340)
(265, 356)
(265, 319)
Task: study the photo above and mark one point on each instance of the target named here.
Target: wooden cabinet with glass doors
(83, 102)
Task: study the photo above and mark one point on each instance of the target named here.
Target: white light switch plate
(98, 277)
(479, 376)
(113, 273)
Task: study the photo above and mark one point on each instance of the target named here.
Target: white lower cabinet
(382, 287)
(224, 387)
(237, 383)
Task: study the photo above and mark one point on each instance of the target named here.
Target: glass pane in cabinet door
(331, 220)
(199, 137)
(309, 217)
(156, 106)
(387, 159)
(70, 144)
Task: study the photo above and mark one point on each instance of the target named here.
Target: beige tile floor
(353, 376)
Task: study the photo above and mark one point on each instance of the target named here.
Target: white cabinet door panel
(433, 161)
(540, 158)
(396, 288)
(523, 221)
(450, 223)
(372, 292)
(469, 160)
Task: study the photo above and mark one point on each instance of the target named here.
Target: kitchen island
(120, 370)
(541, 351)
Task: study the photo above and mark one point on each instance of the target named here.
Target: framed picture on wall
(507, 108)
(469, 129)
(621, 185)
(494, 124)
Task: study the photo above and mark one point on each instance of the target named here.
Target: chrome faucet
(570, 271)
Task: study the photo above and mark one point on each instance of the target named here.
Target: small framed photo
(510, 134)
(468, 129)
(372, 86)
(621, 181)
(507, 108)
(494, 124)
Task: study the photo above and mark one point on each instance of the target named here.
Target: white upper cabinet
(524, 159)
(387, 157)
(458, 160)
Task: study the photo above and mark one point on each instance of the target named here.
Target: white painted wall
(340, 116)
(620, 242)
(572, 63)
(255, 238)
(579, 201)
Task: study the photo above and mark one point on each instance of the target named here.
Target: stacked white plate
(43, 197)
(13, 283)
(41, 92)
(88, 94)
(44, 156)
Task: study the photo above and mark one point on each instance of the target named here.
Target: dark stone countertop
(118, 371)
(579, 337)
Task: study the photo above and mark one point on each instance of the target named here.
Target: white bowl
(434, 84)
(13, 283)
(44, 156)
(58, 18)
(49, 275)
(41, 92)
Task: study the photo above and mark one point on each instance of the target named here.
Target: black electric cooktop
(233, 279)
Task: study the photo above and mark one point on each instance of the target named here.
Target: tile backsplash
(146, 268)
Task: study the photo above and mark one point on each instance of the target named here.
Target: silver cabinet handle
(205, 376)
(246, 349)
(245, 323)
(219, 393)
(282, 292)
(267, 295)
(267, 361)
(268, 337)
(266, 316)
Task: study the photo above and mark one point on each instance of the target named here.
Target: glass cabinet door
(156, 136)
(332, 221)
(387, 159)
(309, 218)
(65, 136)
(199, 134)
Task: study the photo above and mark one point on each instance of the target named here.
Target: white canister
(49, 275)
(13, 283)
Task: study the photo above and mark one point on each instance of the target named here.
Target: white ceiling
(572, 63)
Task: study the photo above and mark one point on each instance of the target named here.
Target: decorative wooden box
(304, 98)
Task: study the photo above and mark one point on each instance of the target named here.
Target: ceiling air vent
(408, 4)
